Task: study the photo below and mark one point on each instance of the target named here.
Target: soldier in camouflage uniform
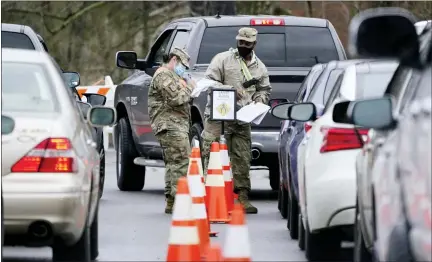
(169, 111)
(227, 68)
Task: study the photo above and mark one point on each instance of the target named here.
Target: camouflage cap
(247, 34)
(184, 57)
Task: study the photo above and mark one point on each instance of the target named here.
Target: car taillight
(341, 139)
(53, 155)
(307, 127)
(271, 21)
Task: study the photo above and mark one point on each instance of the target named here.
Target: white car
(326, 161)
(50, 167)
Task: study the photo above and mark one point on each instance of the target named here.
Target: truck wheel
(274, 177)
(130, 177)
(195, 134)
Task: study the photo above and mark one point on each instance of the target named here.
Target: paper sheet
(203, 85)
(254, 112)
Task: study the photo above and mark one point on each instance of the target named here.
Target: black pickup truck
(289, 46)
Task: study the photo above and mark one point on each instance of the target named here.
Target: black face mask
(244, 51)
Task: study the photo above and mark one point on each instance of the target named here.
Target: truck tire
(195, 133)
(130, 177)
(274, 177)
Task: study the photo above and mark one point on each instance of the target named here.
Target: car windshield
(290, 46)
(16, 40)
(26, 87)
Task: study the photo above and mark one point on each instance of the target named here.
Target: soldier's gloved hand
(189, 80)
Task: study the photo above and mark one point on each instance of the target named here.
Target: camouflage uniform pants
(238, 138)
(176, 151)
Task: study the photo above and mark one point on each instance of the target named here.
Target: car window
(334, 75)
(370, 85)
(314, 79)
(335, 91)
(162, 49)
(16, 40)
(293, 46)
(399, 81)
(181, 39)
(26, 87)
(424, 87)
(302, 90)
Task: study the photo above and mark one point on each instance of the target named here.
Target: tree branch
(75, 16)
(34, 12)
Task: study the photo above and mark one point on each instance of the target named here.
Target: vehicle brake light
(53, 155)
(341, 139)
(307, 127)
(270, 21)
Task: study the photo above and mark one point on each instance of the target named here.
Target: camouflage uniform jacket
(225, 68)
(168, 102)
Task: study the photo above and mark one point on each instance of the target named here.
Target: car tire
(360, 252)
(292, 223)
(274, 177)
(130, 177)
(321, 246)
(101, 170)
(284, 201)
(301, 233)
(81, 251)
(94, 236)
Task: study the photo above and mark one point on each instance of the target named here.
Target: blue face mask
(179, 69)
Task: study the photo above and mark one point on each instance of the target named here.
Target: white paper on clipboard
(254, 113)
(203, 85)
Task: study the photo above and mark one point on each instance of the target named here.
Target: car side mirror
(84, 108)
(373, 113)
(72, 79)
(302, 112)
(126, 59)
(281, 111)
(340, 113)
(7, 125)
(101, 116)
(95, 99)
(274, 102)
(387, 33)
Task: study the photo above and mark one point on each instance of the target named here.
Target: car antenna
(217, 15)
(316, 59)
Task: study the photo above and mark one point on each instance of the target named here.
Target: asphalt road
(133, 226)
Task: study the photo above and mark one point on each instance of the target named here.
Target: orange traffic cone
(226, 167)
(214, 254)
(198, 205)
(215, 187)
(237, 247)
(184, 244)
(196, 155)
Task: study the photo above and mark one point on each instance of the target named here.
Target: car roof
(14, 28)
(376, 66)
(24, 55)
(244, 20)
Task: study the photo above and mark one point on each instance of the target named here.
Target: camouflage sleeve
(263, 88)
(215, 70)
(175, 92)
